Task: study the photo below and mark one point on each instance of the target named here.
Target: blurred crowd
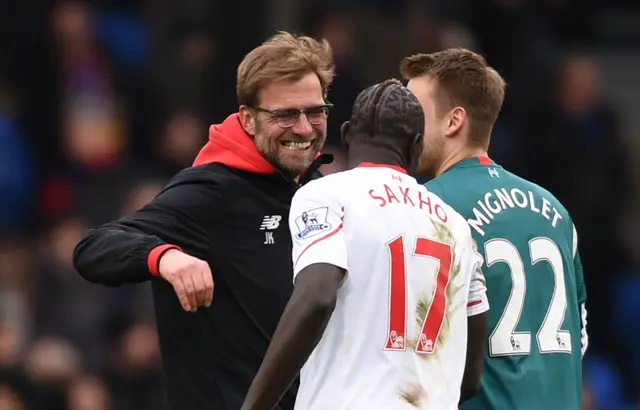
(101, 102)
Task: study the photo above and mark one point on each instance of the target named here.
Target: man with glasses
(224, 221)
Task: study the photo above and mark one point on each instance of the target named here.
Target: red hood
(229, 144)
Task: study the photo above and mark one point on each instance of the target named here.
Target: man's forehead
(422, 83)
(302, 93)
(424, 88)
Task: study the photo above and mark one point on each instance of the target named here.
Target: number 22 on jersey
(397, 331)
(504, 340)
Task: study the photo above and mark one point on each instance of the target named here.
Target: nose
(302, 126)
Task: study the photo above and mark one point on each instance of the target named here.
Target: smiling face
(288, 141)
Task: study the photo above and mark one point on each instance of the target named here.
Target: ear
(247, 120)
(344, 130)
(456, 120)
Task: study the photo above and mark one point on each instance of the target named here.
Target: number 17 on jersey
(434, 318)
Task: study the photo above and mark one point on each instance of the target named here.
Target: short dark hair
(464, 79)
(387, 112)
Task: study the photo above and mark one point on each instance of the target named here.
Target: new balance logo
(270, 222)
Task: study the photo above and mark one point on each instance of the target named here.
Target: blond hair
(464, 79)
(284, 57)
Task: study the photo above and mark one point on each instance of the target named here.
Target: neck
(460, 155)
(360, 154)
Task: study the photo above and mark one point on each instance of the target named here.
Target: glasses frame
(284, 114)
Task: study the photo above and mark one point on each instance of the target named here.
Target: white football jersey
(397, 338)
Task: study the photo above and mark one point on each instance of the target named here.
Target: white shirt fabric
(406, 253)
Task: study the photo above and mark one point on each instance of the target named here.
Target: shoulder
(565, 225)
(460, 230)
(540, 191)
(435, 187)
(207, 174)
(454, 220)
(451, 185)
(193, 187)
(216, 177)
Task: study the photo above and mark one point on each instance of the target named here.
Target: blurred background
(101, 102)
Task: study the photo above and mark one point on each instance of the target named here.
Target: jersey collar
(373, 165)
(473, 162)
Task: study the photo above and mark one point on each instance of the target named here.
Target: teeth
(297, 145)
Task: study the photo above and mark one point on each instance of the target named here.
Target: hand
(190, 277)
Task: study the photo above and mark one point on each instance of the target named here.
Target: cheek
(429, 136)
(264, 144)
(267, 136)
(432, 145)
(321, 132)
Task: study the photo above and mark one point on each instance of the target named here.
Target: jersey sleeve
(581, 292)
(478, 302)
(435, 187)
(315, 221)
(577, 263)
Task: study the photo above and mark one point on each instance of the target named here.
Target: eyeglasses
(287, 117)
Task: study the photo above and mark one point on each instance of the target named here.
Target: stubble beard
(431, 158)
(289, 163)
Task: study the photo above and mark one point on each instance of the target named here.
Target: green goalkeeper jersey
(535, 287)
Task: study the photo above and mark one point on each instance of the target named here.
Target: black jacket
(231, 210)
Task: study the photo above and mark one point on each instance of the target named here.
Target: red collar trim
(372, 165)
(485, 160)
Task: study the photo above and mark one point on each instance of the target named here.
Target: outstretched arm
(128, 250)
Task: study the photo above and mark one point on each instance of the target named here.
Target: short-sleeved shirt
(397, 337)
(537, 324)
